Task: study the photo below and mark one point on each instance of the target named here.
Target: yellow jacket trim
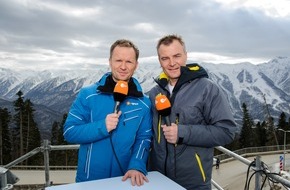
(194, 68)
(159, 128)
(200, 166)
(163, 76)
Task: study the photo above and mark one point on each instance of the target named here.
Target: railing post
(258, 174)
(46, 149)
(3, 178)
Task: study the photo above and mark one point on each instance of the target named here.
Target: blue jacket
(85, 125)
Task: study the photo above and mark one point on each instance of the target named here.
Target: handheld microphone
(120, 92)
(163, 107)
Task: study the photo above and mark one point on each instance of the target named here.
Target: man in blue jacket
(200, 118)
(112, 144)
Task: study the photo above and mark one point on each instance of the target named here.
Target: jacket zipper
(200, 166)
(175, 162)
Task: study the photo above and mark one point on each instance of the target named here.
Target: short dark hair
(168, 39)
(124, 43)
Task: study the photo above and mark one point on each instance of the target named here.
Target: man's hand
(170, 133)
(112, 121)
(137, 178)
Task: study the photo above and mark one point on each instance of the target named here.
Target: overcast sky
(73, 34)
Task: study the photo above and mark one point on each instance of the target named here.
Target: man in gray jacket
(200, 119)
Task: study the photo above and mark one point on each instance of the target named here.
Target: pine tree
(54, 155)
(271, 132)
(282, 124)
(32, 135)
(5, 143)
(261, 134)
(60, 138)
(17, 135)
(54, 133)
(26, 135)
(247, 137)
(270, 129)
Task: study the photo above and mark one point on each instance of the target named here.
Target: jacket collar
(107, 85)
(189, 73)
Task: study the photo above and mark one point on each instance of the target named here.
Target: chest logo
(132, 103)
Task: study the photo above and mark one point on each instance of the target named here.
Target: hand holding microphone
(112, 121)
(163, 107)
(120, 93)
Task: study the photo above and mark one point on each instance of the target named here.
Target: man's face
(123, 63)
(171, 58)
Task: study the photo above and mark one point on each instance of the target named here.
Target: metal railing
(45, 148)
(227, 156)
(257, 167)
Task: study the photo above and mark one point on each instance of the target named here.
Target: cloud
(277, 8)
(72, 33)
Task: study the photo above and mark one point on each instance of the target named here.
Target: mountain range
(266, 85)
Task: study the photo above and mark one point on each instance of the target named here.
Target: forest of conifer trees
(20, 134)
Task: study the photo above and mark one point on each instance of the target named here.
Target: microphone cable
(120, 92)
(115, 154)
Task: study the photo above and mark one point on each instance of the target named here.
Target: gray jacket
(204, 121)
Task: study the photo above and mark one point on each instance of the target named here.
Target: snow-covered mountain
(243, 82)
(255, 85)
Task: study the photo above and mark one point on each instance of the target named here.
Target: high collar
(109, 85)
(188, 73)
